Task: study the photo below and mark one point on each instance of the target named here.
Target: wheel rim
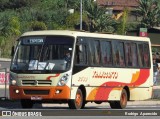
(78, 99)
(123, 99)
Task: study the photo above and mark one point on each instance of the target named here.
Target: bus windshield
(45, 53)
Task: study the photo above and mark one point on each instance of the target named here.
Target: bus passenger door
(81, 65)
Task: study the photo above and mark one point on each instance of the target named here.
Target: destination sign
(33, 40)
(36, 40)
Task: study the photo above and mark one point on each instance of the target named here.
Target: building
(154, 35)
(116, 7)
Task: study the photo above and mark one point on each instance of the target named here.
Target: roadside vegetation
(19, 16)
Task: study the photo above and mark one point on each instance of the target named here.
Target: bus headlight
(63, 80)
(13, 79)
(13, 82)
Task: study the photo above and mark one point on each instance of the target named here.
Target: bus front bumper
(39, 92)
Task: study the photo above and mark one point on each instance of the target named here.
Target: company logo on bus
(105, 75)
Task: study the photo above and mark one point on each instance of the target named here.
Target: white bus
(78, 67)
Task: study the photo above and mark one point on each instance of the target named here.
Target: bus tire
(78, 102)
(122, 103)
(26, 103)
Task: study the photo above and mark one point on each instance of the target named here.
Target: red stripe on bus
(49, 77)
(103, 92)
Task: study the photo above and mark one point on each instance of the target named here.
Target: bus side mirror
(12, 52)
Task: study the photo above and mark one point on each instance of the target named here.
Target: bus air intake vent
(37, 82)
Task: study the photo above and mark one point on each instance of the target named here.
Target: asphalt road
(7, 104)
(91, 111)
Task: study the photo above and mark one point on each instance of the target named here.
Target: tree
(73, 4)
(98, 20)
(6, 18)
(72, 20)
(14, 26)
(36, 26)
(158, 17)
(18, 16)
(122, 27)
(106, 24)
(16, 4)
(149, 10)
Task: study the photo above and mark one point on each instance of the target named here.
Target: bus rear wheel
(78, 102)
(26, 103)
(122, 103)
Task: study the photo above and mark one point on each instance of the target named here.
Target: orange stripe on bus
(135, 77)
(138, 80)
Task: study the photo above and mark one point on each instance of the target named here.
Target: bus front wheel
(78, 102)
(120, 104)
(26, 103)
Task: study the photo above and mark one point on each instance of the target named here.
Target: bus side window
(97, 52)
(128, 54)
(116, 54)
(81, 54)
(146, 55)
(121, 53)
(134, 55)
(140, 54)
(92, 52)
(77, 60)
(118, 50)
(106, 53)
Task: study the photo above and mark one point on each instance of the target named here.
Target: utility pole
(81, 15)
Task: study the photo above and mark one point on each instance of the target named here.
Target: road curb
(147, 102)
(5, 59)
(156, 87)
(129, 103)
(155, 102)
(156, 92)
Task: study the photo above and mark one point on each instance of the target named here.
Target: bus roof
(83, 34)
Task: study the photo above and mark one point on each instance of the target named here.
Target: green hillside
(19, 16)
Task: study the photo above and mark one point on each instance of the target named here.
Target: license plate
(36, 98)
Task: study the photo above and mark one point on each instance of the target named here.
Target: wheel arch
(78, 102)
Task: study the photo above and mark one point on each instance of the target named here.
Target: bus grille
(36, 92)
(37, 82)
